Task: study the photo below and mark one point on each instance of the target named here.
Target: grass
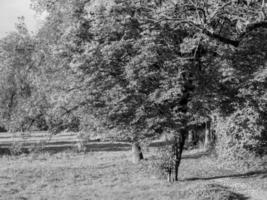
(109, 175)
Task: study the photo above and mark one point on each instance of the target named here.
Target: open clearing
(111, 175)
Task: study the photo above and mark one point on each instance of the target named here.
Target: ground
(111, 175)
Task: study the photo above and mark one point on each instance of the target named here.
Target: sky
(10, 10)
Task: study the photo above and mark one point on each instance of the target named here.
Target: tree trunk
(170, 176)
(207, 138)
(178, 150)
(187, 89)
(190, 139)
(137, 152)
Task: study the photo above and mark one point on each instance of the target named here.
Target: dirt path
(239, 186)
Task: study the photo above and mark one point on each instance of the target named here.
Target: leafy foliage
(241, 135)
(140, 68)
(22, 103)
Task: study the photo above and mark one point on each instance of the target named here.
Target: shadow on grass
(240, 175)
(237, 196)
(221, 192)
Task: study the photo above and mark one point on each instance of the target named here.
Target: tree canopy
(142, 67)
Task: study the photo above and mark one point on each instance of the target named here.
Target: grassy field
(111, 175)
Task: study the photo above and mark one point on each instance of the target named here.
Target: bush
(16, 148)
(241, 137)
(81, 141)
(164, 164)
(37, 147)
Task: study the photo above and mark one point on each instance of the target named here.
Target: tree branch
(68, 111)
(253, 26)
(222, 39)
(225, 40)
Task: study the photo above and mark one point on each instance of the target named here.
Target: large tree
(143, 67)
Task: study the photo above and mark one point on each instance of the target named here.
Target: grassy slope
(110, 175)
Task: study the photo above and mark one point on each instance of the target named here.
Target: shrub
(164, 164)
(81, 141)
(37, 147)
(241, 136)
(16, 148)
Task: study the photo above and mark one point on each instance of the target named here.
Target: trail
(239, 186)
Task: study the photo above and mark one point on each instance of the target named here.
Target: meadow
(111, 175)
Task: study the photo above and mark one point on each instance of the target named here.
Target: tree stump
(137, 153)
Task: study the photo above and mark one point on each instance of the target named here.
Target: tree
(124, 72)
(22, 104)
(144, 67)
